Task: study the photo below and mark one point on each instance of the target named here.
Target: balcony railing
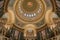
(3, 37)
(55, 38)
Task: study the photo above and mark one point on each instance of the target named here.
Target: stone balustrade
(3, 37)
(55, 38)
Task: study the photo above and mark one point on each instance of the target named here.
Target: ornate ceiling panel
(29, 16)
(29, 10)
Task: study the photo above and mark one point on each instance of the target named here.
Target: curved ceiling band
(10, 19)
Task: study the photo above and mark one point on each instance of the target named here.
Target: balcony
(2, 37)
(55, 38)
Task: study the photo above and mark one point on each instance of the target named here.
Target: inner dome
(29, 5)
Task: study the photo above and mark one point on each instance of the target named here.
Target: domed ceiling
(29, 11)
(29, 16)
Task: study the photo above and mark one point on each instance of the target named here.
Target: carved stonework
(29, 19)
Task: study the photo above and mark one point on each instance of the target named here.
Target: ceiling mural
(28, 18)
